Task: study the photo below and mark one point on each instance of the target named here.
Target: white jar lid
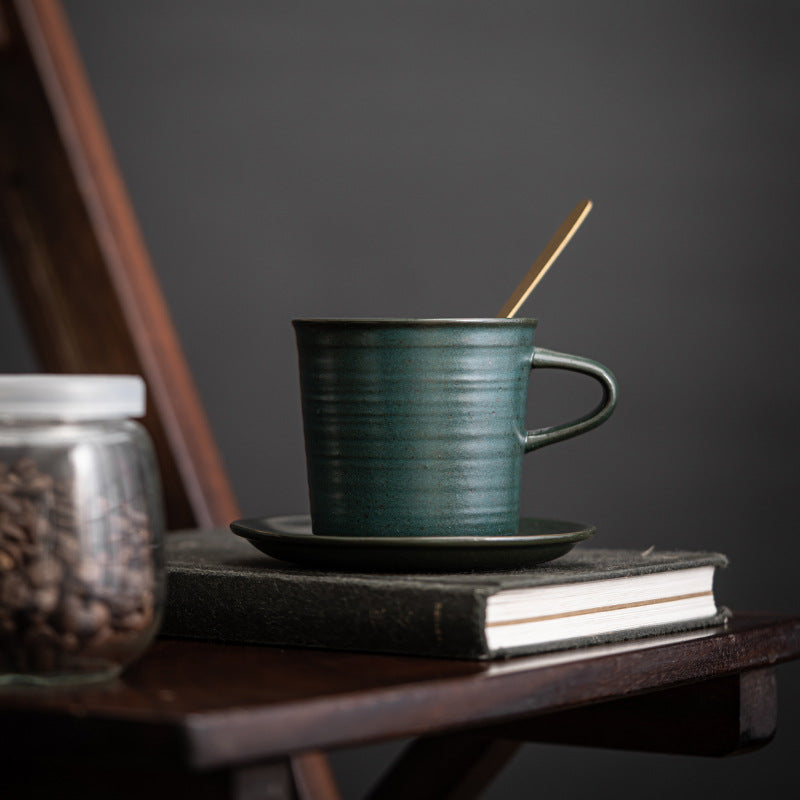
(72, 397)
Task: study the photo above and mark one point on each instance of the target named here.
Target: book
(220, 588)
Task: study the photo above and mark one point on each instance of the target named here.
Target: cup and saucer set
(414, 434)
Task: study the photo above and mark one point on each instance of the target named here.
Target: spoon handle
(546, 258)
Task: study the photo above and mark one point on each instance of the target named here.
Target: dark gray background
(411, 159)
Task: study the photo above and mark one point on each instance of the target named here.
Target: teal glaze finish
(417, 427)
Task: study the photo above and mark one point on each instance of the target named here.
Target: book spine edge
(417, 621)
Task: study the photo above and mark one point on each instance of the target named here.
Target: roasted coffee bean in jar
(81, 527)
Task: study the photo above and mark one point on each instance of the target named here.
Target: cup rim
(422, 322)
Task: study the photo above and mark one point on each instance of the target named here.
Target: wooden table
(220, 720)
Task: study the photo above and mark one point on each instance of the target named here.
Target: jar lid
(72, 397)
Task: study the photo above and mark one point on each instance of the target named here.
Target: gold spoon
(546, 258)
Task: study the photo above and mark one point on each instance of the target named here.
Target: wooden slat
(197, 707)
(88, 293)
(76, 258)
(719, 717)
(313, 777)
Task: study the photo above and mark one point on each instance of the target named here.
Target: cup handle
(557, 433)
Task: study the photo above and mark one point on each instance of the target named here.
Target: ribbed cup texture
(414, 428)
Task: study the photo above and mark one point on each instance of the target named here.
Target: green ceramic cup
(417, 427)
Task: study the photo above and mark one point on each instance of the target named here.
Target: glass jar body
(81, 531)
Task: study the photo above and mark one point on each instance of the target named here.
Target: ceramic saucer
(291, 539)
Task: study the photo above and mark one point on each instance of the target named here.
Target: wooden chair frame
(81, 273)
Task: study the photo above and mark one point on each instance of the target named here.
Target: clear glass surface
(81, 529)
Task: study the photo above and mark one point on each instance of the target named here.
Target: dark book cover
(220, 588)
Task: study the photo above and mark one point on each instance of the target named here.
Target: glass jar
(81, 528)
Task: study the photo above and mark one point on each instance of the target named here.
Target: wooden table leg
(724, 716)
(313, 777)
(450, 767)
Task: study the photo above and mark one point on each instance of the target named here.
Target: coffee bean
(136, 621)
(64, 520)
(118, 522)
(100, 639)
(68, 548)
(45, 572)
(141, 538)
(88, 572)
(10, 503)
(70, 614)
(25, 465)
(32, 550)
(15, 594)
(36, 526)
(135, 583)
(13, 480)
(45, 599)
(10, 531)
(72, 580)
(97, 615)
(10, 556)
(42, 645)
(38, 485)
(138, 518)
(124, 604)
(83, 618)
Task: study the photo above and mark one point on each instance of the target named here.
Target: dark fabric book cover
(220, 588)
